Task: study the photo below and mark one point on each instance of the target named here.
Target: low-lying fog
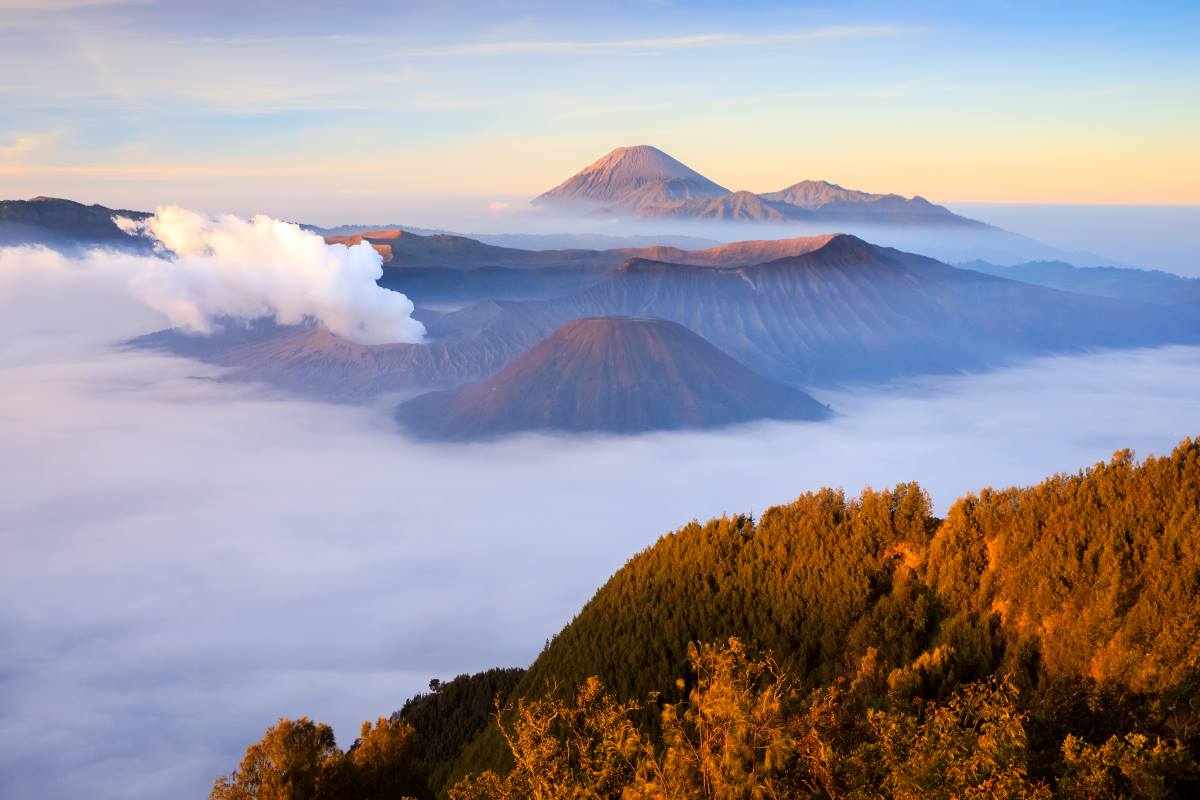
(186, 560)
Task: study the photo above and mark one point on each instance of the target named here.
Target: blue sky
(311, 108)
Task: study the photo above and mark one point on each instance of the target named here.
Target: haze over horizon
(299, 111)
(348, 349)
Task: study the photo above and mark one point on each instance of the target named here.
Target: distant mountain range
(1119, 283)
(612, 374)
(644, 182)
(828, 310)
(840, 311)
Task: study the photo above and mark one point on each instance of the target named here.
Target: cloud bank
(209, 268)
(185, 559)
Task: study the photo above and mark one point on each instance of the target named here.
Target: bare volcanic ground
(843, 312)
(613, 374)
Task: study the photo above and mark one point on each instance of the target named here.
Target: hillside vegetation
(1037, 642)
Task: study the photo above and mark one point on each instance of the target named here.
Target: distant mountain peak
(631, 177)
(643, 181)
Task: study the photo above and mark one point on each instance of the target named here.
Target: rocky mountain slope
(610, 374)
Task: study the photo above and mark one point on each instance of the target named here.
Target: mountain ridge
(646, 183)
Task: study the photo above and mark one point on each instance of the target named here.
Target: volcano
(630, 178)
(612, 374)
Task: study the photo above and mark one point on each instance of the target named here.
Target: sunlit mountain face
(507, 401)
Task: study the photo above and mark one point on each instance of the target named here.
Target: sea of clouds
(186, 560)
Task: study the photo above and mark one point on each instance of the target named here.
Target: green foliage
(383, 762)
(581, 750)
(734, 739)
(1038, 639)
(801, 581)
(1126, 766)
(729, 740)
(299, 760)
(295, 760)
(452, 715)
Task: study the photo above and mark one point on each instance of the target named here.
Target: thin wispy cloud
(689, 42)
(66, 5)
(23, 145)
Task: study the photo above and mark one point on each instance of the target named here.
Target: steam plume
(208, 268)
(228, 266)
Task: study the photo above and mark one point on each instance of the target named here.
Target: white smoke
(208, 268)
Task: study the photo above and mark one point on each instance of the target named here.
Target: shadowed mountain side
(611, 374)
(435, 286)
(56, 222)
(402, 249)
(830, 202)
(310, 361)
(852, 312)
(846, 312)
(815, 202)
(735, 206)
(439, 285)
(1119, 283)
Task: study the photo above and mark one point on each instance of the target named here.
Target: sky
(331, 112)
(185, 560)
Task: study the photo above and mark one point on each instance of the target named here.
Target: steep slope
(849, 312)
(629, 177)
(812, 579)
(612, 374)
(54, 221)
(309, 360)
(845, 312)
(1139, 285)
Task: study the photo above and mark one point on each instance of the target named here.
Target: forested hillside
(1042, 641)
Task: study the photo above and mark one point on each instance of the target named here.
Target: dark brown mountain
(611, 374)
(629, 178)
(57, 222)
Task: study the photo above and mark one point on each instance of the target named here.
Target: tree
(974, 746)
(730, 740)
(295, 760)
(383, 762)
(1126, 766)
(581, 750)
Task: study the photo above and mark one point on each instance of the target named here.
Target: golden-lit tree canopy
(1038, 642)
